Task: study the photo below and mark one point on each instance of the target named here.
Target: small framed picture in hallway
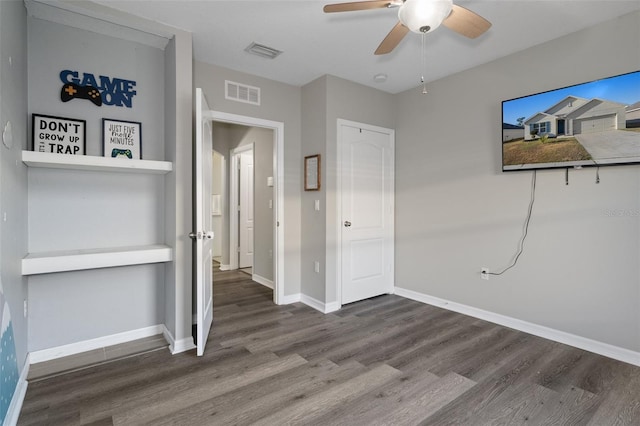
(312, 172)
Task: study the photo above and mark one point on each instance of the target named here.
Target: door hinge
(238, 249)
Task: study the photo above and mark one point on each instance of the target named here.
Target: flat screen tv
(589, 124)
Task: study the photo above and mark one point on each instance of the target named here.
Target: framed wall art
(58, 135)
(312, 173)
(122, 139)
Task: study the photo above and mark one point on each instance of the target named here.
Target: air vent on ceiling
(242, 93)
(262, 50)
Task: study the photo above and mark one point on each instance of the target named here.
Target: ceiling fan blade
(358, 5)
(465, 22)
(392, 39)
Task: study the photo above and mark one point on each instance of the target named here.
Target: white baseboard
(262, 280)
(91, 344)
(177, 346)
(600, 348)
(289, 299)
(325, 308)
(224, 267)
(15, 406)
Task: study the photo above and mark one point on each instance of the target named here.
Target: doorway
(365, 211)
(243, 221)
(271, 187)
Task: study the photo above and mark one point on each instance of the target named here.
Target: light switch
(270, 181)
(317, 205)
(270, 204)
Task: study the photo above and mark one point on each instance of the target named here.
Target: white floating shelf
(93, 163)
(77, 260)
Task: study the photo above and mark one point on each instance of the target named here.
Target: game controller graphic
(71, 91)
(115, 152)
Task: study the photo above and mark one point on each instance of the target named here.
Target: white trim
(325, 308)
(94, 163)
(178, 346)
(605, 349)
(91, 344)
(338, 201)
(13, 412)
(289, 299)
(78, 260)
(332, 307)
(234, 189)
(224, 267)
(262, 280)
(278, 165)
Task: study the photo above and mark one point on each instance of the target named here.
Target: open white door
(203, 234)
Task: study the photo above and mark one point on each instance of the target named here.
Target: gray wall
(114, 209)
(325, 101)
(314, 230)
(54, 47)
(13, 174)
(70, 307)
(457, 212)
(262, 140)
(280, 102)
(178, 127)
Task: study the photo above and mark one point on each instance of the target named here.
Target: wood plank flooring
(382, 361)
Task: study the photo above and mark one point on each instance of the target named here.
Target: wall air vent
(262, 50)
(241, 93)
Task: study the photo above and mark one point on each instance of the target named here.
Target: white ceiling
(342, 44)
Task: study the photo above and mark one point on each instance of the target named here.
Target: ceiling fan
(419, 16)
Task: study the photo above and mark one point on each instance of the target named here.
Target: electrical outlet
(484, 273)
(316, 267)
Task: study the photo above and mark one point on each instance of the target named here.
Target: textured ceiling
(315, 43)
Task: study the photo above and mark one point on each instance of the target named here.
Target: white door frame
(278, 183)
(223, 174)
(338, 212)
(234, 185)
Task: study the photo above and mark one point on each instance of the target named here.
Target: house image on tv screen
(574, 116)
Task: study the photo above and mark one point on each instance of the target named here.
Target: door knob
(200, 235)
(347, 224)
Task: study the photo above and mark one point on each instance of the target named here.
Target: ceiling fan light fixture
(424, 16)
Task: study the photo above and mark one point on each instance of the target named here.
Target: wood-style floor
(382, 361)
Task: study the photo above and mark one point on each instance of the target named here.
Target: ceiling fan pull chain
(424, 64)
